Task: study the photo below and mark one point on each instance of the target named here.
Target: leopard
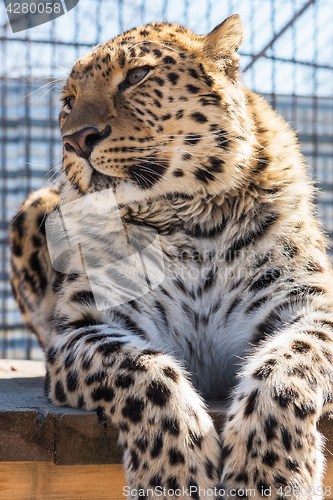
(160, 119)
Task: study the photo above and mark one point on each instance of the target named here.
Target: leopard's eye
(136, 75)
(69, 102)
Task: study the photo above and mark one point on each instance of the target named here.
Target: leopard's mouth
(101, 171)
(145, 171)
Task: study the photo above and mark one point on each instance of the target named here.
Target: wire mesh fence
(287, 55)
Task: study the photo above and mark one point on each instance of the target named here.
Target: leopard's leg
(34, 281)
(271, 443)
(168, 437)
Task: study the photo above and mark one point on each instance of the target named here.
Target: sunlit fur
(245, 310)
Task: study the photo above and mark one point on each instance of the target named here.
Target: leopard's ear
(223, 41)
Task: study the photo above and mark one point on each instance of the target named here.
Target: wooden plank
(24, 436)
(34, 430)
(326, 428)
(46, 481)
(80, 439)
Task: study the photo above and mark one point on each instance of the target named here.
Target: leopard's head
(157, 111)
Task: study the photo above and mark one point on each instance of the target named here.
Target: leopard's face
(158, 110)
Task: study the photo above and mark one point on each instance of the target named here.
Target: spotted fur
(245, 309)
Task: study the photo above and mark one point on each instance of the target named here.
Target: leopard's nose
(84, 141)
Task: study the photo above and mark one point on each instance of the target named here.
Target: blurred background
(287, 55)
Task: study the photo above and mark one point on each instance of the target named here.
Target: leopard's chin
(100, 181)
